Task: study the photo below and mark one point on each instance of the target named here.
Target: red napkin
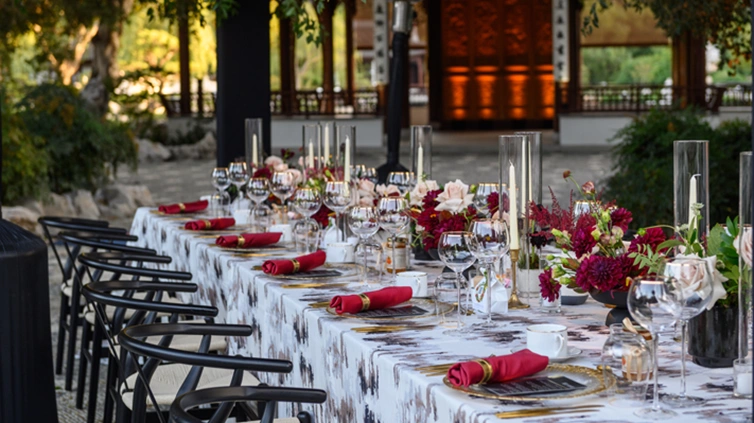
(249, 240)
(383, 298)
(184, 207)
(210, 224)
(287, 267)
(503, 368)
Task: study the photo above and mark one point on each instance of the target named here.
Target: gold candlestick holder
(514, 303)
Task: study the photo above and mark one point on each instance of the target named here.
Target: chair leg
(83, 363)
(112, 381)
(72, 335)
(94, 378)
(64, 312)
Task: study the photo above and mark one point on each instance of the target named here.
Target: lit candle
(311, 154)
(692, 200)
(254, 151)
(513, 213)
(347, 162)
(420, 163)
(327, 143)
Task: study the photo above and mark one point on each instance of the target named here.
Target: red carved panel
(486, 27)
(543, 27)
(515, 28)
(455, 29)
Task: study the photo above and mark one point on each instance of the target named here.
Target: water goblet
(239, 176)
(307, 201)
(221, 182)
(258, 189)
(490, 246)
(455, 251)
(338, 196)
(695, 278)
(394, 219)
(364, 222)
(402, 180)
(370, 174)
(282, 185)
(656, 304)
(483, 191)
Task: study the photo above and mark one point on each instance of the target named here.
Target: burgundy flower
(549, 288)
(263, 172)
(621, 218)
(540, 239)
(601, 273)
(322, 216)
(582, 242)
(653, 238)
(566, 174)
(430, 200)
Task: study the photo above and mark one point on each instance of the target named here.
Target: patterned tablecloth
(370, 377)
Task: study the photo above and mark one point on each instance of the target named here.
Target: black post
(402, 16)
(243, 77)
(752, 148)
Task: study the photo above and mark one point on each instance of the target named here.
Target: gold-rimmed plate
(433, 308)
(326, 271)
(591, 378)
(186, 214)
(280, 248)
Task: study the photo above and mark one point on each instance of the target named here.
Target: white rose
(386, 191)
(280, 167)
(742, 244)
(421, 190)
(296, 175)
(691, 277)
(455, 198)
(366, 187)
(273, 161)
(366, 200)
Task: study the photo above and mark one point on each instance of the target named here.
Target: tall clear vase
(743, 243)
(691, 185)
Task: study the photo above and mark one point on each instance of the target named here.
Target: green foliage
(625, 65)
(643, 181)
(720, 243)
(24, 159)
(83, 149)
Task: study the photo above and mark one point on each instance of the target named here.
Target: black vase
(713, 337)
(618, 301)
(422, 255)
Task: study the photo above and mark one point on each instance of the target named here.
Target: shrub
(83, 149)
(643, 181)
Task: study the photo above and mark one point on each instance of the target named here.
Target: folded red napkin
(210, 224)
(497, 369)
(375, 300)
(248, 240)
(184, 207)
(299, 264)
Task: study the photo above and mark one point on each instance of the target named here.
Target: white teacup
(416, 280)
(547, 339)
(285, 229)
(340, 252)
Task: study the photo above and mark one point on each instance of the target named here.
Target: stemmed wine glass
(656, 304)
(394, 219)
(695, 278)
(221, 182)
(483, 191)
(239, 176)
(307, 201)
(258, 189)
(282, 185)
(370, 174)
(402, 180)
(491, 245)
(338, 197)
(455, 250)
(364, 222)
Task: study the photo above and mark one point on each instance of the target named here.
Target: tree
(725, 23)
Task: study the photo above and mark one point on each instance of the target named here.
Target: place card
(531, 386)
(320, 273)
(405, 311)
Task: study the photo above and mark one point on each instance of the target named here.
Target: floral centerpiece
(438, 209)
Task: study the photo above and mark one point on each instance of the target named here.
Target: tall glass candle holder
(691, 185)
(311, 149)
(253, 135)
(346, 152)
(535, 165)
(514, 174)
(328, 142)
(421, 152)
(744, 244)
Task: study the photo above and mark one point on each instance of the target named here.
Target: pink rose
(455, 197)
(421, 190)
(387, 191)
(742, 243)
(296, 176)
(273, 161)
(366, 187)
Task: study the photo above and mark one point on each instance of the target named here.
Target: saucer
(573, 352)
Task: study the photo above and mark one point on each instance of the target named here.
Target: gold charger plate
(347, 270)
(427, 304)
(270, 248)
(592, 378)
(187, 214)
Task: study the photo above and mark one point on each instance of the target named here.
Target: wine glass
(455, 250)
(258, 189)
(695, 278)
(282, 185)
(307, 201)
(656, 304)
(402, 180)
(370, 174)
(394, 219)
(239, 176)
(490, 246)
(364, 222)
(480, 197)
(221, 182)
(338, 197)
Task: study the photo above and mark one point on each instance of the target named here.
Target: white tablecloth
(370, 377)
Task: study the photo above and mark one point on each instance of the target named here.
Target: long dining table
(372, 377)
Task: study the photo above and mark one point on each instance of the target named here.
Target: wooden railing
(641, 98)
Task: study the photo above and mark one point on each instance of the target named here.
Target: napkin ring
(296, 265)
(241, 241)
(207, 224)
(365, 302)
(182, 206)
(487, 368)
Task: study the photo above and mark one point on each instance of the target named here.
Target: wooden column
(350, 74)
(183, 59)
(689, 70)
(287, 67)
(574, 56)
(243, 77)
(434, 59)
(328, 65)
